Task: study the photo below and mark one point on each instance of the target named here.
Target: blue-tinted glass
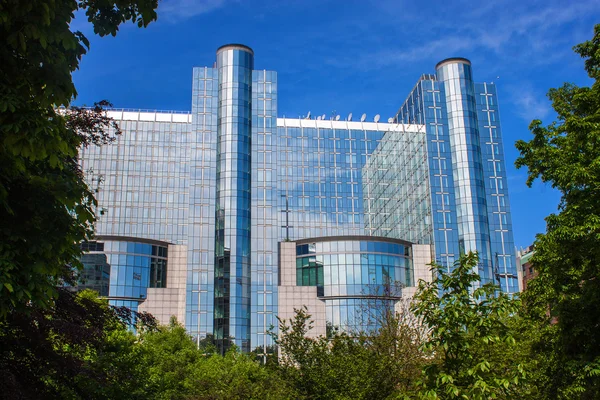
(219, 179)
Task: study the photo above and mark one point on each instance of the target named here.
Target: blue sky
(359, 57)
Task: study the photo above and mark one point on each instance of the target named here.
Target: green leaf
(22, 41)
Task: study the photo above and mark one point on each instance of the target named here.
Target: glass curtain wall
(360, 280)
(134, 267)
(469, 186)
(396, 188)
(424, 105)
(233, 196)
(202, 194)
(265, 217)
(320, 178)
(494, 168)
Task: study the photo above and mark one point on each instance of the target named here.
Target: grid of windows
(96, 271)
(232, 225)
(141, 181)
(231, 180)
(396, 187)
(501, 237)
(352, 276)
(467, 175)
(134, 267)
(202, 198)
(357, 315)
(320, 177)
(467, 165)
(265, 218)
(92, 246)
(424, 105)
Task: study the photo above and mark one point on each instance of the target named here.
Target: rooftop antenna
(337, 117)
(308, 115)
(376, 119)
(323, 117)
(363, 117)
(350, 117)
(390, 120)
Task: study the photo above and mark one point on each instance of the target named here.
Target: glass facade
(200, 291)
(424, 106)
(141, 182)
(96, 269)
(356, 278)
(316, 178)
(231, 180)
(265, 231)
(496, 188)
(467, 165)
(469, 195)
(396, 188)
(133, 265)
(320, 175)
(232, 226)
(96, 273)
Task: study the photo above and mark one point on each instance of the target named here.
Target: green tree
(169, 355)
(564, 300)
(470, 337)
(79, 348)
(396, 334)
(397, 344)
(235, 376)
(377, 365)
(166, 363)
(46, 208)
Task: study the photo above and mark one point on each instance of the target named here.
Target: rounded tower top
(452, 60)
(235, 46)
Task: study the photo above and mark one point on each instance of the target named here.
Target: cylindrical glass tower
(232, 232)
(467, 165)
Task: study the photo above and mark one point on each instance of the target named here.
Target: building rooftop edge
(118, 238)
(144, 110)
(452, 60)
(186, 117)
(352, 238)
(358, 125)
(235, 46)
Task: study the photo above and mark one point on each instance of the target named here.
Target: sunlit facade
(230, 183)
(468, 189)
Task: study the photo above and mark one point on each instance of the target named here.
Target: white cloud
(176, 10)
(529, 29)
(529, 104)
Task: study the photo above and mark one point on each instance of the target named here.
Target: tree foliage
(169, 355)
(82, 348)
(470, 338)
(173, 366)
(566, 154)
(235, 376)
(74, 349)
(45, 207)
(377, 365)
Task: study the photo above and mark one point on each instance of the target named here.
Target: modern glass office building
(468, 191)
(225, 186)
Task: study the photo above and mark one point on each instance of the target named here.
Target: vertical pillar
(232, 230)
(467, 165)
